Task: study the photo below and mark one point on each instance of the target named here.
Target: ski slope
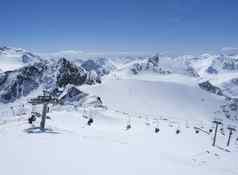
(146, 101)
(69, 146)
(158, 98)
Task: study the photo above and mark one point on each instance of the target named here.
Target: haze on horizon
(145, 26)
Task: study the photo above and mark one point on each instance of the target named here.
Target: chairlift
(212, 128)
(31, 119)
(196, 131)
(156, 121)
(222, 130)
(178, 130)
(90, 121)
(34, 115)
(128, 126)
(157, 130)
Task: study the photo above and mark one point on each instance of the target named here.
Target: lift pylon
(44, 100)
(217, 122)
(231, 130)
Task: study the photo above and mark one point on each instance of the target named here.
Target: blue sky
(176, 26)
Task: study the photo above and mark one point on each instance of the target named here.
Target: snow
(72, 147)
(145, 101)
(10, 62)
(157, 98)
(12, 58)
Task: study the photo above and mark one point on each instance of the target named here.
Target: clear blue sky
(178, 26)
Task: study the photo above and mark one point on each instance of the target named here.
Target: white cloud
(229, 50)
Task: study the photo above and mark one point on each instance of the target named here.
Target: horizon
(76, 52)
(178, 27)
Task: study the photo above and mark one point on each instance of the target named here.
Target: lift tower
(231, 129)
(44, 99)
(217, 122)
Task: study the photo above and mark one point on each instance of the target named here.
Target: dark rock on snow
(211, 88)
(21, 82)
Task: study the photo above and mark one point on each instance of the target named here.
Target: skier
(90, 121)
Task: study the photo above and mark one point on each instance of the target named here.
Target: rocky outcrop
(70, 73)
(153, 61)
(72, 95)
(151, 65)
(210, 88)
(29, 57)
(211, 70)
(48, 75)
(136, 68)
(15, 84)
(230, 108)
(101, 66)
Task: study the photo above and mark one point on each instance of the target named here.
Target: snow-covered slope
(13, 58)
(70, 146)
(157, 98)
(141, 123)
(227, 82)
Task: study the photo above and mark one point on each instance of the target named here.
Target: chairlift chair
(128, 126)
(157, 130)
(212, 128)
(31, 119)
(178, 131)
(222, 129)
(90, 121)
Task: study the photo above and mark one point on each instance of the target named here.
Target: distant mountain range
(22, 72)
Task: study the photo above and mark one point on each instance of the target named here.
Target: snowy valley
(131, 115)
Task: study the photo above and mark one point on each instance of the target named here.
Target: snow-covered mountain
(49, 75)
(157, 108)
(101, 66)
(13, 58)
(165, 65)
(219, 70)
